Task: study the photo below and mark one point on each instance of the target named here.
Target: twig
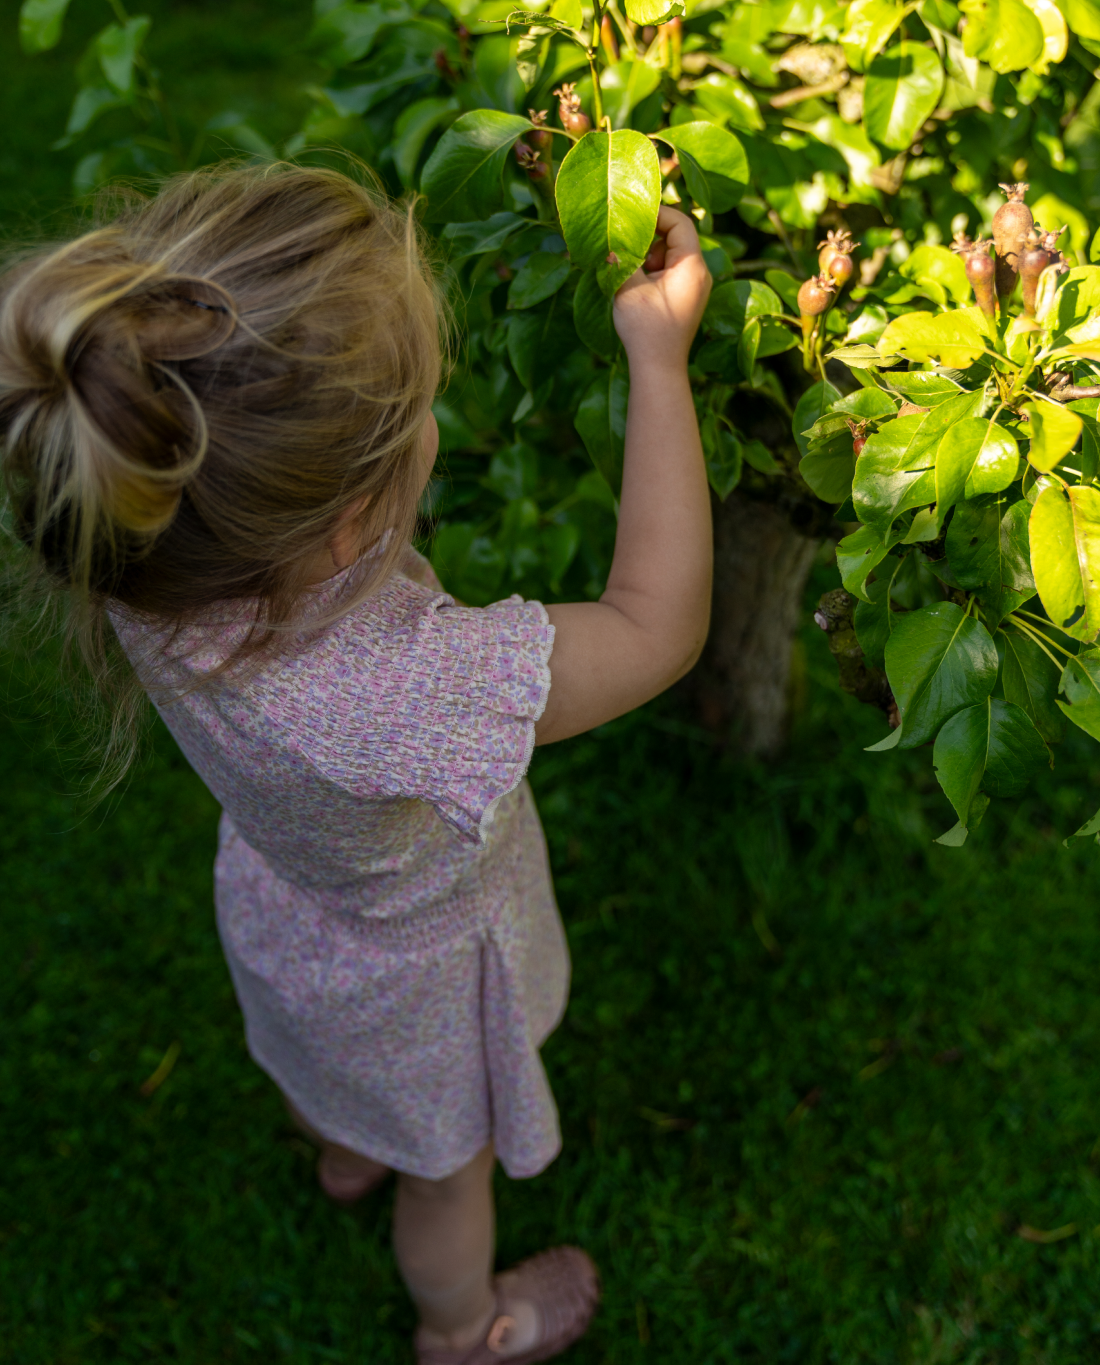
(1066, 393)
(809, 92)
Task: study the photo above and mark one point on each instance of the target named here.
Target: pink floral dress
(382, 886)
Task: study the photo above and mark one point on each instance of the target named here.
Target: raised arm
(649, 626)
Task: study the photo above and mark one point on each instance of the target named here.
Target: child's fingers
(681, 239)
(655, 257)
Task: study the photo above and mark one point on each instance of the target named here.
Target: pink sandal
(564, 1286)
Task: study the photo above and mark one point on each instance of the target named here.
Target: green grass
(878, 1225)
(938, 1005)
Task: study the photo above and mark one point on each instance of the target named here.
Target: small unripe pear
(1011, 224)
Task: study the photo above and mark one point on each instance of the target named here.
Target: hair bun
(102, 430)
(182, 319)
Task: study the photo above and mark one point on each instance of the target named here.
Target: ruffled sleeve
(419, 697)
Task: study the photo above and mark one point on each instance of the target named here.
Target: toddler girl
(216, 423)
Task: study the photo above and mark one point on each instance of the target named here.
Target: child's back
(216, 417)
(346, 904)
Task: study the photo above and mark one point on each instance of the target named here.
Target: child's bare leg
(344, 1175)
(443, 1235)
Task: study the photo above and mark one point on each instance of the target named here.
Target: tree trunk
(741, 685)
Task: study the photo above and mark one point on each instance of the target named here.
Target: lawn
(817, 1077)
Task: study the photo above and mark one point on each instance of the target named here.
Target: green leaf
(543, 274)
(938, 660)
(345, 33)
(1083, 17)
(870, 25)
(760, 457)
(117, 48)
(40, 24)
(468, 564)
(903, 87)
(892, 740)
(538, 339)
(1090, 827)
(923, 387)
(601, 423)
(1080, 685)
(90, 102)
(1065, 557)
(991, 747)
(625, 84)
(1031, 681)
(1004, 33)
(723, 453)
(872, 404)
(956, 338)
(474, 239)
(940, 14)
(608, 193)
(893, 474)
(830, 466)
(1054, 433)
(729, 100)
(987, 549)
(874, 619)
(653, 11)
(857, 555)
(716, 170)
(736, 302)
(593, 317)
(812, 405)
(937, 265)
(414, 126)
(560, 543)
(495, 71)
(748, 345)
(462, 178)
(974, 456)
(569, 12)
(514, 472)
(956, 835)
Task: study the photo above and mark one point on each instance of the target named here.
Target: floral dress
(382, 886)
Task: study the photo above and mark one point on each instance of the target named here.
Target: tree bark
(763, 553)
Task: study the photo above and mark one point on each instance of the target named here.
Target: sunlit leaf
(1065, 557)
(1054, 432)
(1003, 33)
(974, 456)
(716, 170)
(858, 555)
(955, 338)
(608, 193)
(903, 88)
(462, 176)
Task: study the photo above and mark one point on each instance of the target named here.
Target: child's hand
(656, 315)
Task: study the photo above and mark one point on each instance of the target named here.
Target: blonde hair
(194, 395)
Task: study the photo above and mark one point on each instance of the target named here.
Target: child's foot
(543, 1305)
(345, 1176)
